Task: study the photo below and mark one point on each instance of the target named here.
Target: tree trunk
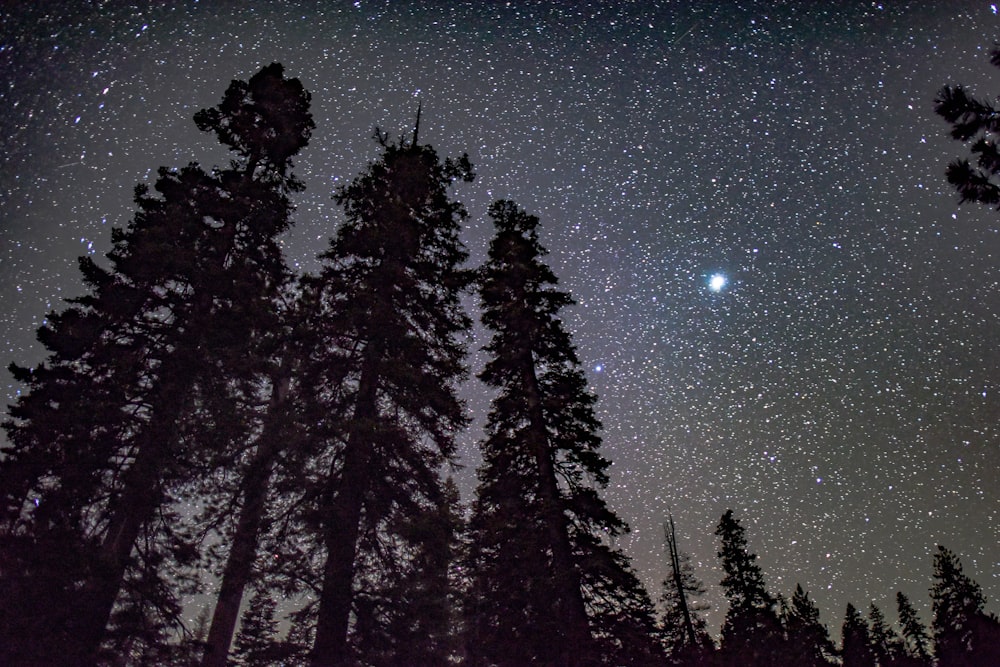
(134, 509)
(576, 643)
(141, 496)
(675, 565)
(239, 563)
(342, 529)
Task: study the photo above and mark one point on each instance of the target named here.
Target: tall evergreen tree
(253, 480)
(407, 614)
(916, 644)
(751, 632)
(856, 649)
(809, 641)
(547, 588)
(390, 350)
(108, 428)
(963, 633)
(886, 645)
(684, 631)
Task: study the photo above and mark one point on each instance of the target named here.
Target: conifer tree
(683, 628)
(976, 121)
(856, 649)
(407, 613)
(109, 427)
(390, 330)
(886, 645)
(256, 643)
(751, 632)
(253, 481)
(188, 650)
(916, 644)
(547, 588)
(963, 632)
(809, 641)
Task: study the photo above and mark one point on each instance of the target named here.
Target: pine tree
(408, 612)
(256, 643)
(751, 632)
(187, 649)
(915, 641)
(109, 428)
(547, 588)
(424, 618)
(809, 641)
(856, 650)
(684, 631)
(975, 121)
(963, 633)
(886, 645)
(254, 482)
(390, 330)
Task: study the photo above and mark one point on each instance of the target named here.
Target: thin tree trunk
(576, 644)
(675, 565)
(140, 498)
(135, 508)
(239, 563)
(330, 647)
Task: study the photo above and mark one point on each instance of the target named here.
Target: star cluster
(837, 384)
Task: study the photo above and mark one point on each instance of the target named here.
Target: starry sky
(781, 305)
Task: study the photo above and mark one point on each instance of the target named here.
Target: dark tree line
(202, 408)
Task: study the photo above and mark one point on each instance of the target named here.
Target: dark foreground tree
(683, 628)
(856, 650)
(809, 643)
(886, 645)
(916, 644)
(751, 632)
(408, 613)
(390, 351)
(108, 429)
(547, 587)
(964, 635)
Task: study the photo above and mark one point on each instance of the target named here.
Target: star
(717, 282)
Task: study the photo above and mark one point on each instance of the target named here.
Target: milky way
(839, 391)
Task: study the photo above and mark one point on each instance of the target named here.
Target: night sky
(781, 306)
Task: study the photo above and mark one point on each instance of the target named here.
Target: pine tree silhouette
(547, 587)
(390, 346)
(751, 632)
(916, 644)
(109, 426)
(963, 633)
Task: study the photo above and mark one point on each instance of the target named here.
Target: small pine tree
(682, 625)
(257, 643)
(409, 612)
(751, 632)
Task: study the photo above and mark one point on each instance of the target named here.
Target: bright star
(717, 282)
